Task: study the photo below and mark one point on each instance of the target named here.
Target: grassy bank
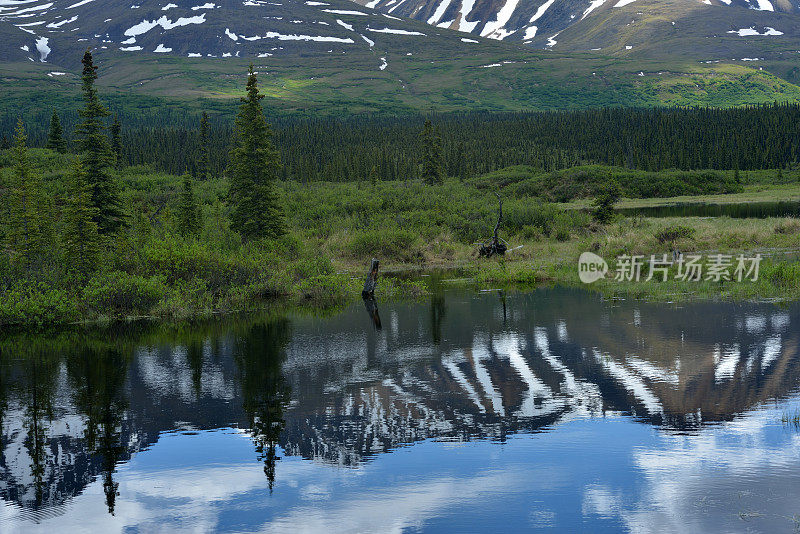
(149, 269)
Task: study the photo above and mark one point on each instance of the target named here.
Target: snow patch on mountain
(497, 29)
(465, 25)
(41, 46)
(344, 25)
(79, 4)
(344, 12)
(146, 25)
(439, 13)
(62, 22)
(764, 5)
(395, 32)
(542, 10)
(594, 5)
(752, 31)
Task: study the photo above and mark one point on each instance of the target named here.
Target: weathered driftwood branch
(372, 281)
(495, 244)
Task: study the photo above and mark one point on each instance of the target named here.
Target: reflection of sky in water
(597, 474)
(600, 417)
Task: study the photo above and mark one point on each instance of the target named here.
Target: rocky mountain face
(594, 25)
(58, 31)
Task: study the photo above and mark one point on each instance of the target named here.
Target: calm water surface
(464, 413)
(738, 210)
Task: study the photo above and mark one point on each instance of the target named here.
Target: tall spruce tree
(253, 169)
(116, 140)
(432, 159)
(188, 210)
(81, 237)
(55, 137)
(96, 155)
(27, 228)
(203, 170)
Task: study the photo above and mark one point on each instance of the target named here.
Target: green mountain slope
(335, 57)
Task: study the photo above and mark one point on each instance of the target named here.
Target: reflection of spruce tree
(438, 311)
(259, 356)
(5, 384)
(194, 357)
(98, 379)
(36, 391)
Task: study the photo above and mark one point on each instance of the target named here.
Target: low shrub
(671, 234)
(385, 243)
(119, 292)
(36, 304)
(788, 226)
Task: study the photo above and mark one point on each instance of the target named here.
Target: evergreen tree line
(91, 212)
(357, 148)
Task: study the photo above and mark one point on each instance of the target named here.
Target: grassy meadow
(334, 229)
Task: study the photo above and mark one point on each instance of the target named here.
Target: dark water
(742, 210)
(465, 413)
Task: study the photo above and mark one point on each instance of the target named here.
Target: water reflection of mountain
(338, 390)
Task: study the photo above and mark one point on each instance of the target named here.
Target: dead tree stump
(371, 282)
(494, 245)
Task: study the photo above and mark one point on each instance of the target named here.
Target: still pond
(465, 412)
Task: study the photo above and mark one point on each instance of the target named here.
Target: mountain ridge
(336, 57)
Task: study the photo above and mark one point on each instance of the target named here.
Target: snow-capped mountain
(57, 31)
(540, 22)
(328, 55)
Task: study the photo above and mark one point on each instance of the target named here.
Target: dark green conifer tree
(27, 228)
(432, 159)
(605, 201)
(81, 238)
(188, 210)
(253, 169)
(203, 171)
(96, 155)
(116, 140)
(55, 137)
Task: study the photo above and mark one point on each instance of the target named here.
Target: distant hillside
(336, 57)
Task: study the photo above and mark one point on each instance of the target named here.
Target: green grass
(149, 270)
(427, 80)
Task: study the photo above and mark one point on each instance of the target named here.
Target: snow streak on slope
(229, 28)
(532, 21)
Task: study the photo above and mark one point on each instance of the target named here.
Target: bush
(590, 180)
(36, 304)
(389, 244)
(118, 292)
(782, 274)
(327, 290)
(788, 226)
(673, 233)
(180, 260)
